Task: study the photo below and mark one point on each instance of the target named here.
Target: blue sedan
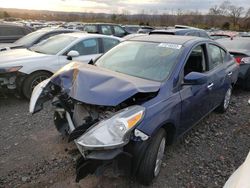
(124, 108)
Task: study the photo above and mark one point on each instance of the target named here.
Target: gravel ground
(33, 154)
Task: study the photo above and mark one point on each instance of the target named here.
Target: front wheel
(32, 81)
(151, 163)
(226, 101)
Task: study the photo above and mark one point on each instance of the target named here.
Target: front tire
(32, 81)
(151, 163)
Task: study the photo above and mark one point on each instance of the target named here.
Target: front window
(87, 47)
(147, 60)
(54, 44)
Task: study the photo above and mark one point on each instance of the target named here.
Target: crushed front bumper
(11, 81)
(125, 160)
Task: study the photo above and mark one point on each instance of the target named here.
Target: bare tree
(215, 10)
(235, 13)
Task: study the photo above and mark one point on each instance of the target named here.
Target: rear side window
(90, 28)
(11, 31)
(204, 35)
(106, 29)
(193, 33)
(109, 43)
(217, 56)
(119, 31)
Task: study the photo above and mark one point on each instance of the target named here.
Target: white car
(240, 178)
(23, 69)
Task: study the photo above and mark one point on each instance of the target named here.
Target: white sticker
(170, 45)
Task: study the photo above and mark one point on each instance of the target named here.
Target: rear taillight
(238, 59)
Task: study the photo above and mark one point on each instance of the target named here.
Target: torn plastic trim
(141, 135)
(38, 97)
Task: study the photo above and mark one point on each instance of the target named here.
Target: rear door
(220, 75)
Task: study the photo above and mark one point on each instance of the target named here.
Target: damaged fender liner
(123, 158)
(97, 161)
(99, 86)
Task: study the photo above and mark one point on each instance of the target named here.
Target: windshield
(236, 44)
(30, 38)
(54, 44)
(148, 60)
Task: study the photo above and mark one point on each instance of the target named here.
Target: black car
(34, 38)
(10, 32)
(105, 29)
(239, 47)
(187, 32)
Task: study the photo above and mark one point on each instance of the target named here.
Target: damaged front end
(104, 130)
(10, 79)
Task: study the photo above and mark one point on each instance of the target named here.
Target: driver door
(195, 103)
(88, 49)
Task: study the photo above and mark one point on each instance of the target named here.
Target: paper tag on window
(170, 45)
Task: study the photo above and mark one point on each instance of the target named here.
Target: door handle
(230, 73)
(210, 86)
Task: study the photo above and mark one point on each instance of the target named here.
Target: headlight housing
(10, 69)
(113, 132)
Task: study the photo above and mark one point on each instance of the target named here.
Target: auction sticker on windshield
(170, 45)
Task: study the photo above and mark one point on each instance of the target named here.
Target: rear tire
(246, 84)
(226, 101)
(33, 80)
(152, 160)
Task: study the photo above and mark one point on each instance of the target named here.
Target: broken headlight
(113, 132)
(10, 69)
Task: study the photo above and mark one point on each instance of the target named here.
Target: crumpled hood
(15, 55)
(95, 85)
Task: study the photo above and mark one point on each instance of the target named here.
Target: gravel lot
(33, 154)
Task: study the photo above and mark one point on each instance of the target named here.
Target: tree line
(225, 16)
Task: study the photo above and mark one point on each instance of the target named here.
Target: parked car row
(22, 69)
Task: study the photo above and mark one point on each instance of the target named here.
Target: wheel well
(41, 71)
(170, 130)
(23, 80)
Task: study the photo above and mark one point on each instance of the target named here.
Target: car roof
(243, 39)
(11, 24)
(51, 29)
(166, 38)
(176, 31)
(102, 24)
(89, 35)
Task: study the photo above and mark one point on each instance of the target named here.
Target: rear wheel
(226, 101)
(246, 84)
(151, 163)
(32, 81)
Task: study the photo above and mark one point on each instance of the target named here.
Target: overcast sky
(117, 6)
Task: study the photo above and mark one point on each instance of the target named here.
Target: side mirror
(195, 78)
(72, 54)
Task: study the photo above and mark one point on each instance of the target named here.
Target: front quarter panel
(162, 110)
